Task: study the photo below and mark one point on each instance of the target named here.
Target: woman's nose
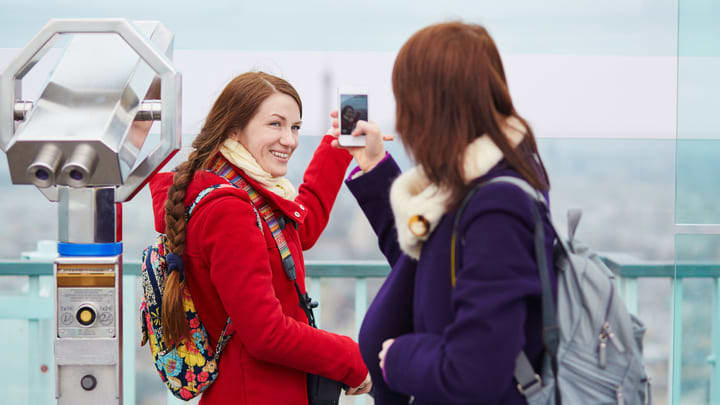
(288, 138)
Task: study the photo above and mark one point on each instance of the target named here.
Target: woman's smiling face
(271, 135)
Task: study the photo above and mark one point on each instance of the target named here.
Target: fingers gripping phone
(352, 107)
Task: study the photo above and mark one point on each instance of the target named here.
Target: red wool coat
(232, 269)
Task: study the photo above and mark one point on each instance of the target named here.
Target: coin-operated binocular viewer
(83, 144)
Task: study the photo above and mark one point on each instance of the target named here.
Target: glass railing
(697, 213)
(26, 316)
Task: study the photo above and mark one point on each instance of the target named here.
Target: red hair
(450, 88)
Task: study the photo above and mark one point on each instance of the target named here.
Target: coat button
(302, 207)
(419, 225)
(297, 214)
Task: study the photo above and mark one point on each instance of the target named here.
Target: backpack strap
(528, 380)
(224, 169)
(573, 217)
(551, 328)
(224, 335)
(202, 194)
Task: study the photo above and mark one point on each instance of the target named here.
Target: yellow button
(85, 316)
(419, 225)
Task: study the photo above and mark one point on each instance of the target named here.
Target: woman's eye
(296, 128)
(275, 123)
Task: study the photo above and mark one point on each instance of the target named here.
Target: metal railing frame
(35, 308)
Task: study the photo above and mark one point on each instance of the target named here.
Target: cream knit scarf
(236, 153)
(418, 205)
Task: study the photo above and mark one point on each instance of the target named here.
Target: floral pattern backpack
(190, 366)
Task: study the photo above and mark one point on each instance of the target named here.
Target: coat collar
(418, 205)
(161, 182)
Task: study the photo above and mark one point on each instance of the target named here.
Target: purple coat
(455, 345)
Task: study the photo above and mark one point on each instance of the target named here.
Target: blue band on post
(89, 249)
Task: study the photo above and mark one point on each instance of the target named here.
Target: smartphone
(352, 107)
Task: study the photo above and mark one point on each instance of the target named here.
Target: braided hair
(233, 109)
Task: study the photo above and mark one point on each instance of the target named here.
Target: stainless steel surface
(150, 110)
(95, 355)
(79, 168)
(79, 352)
(94, 97)
(171, 113)
(83, 260)
(43, 170)
(71, 392)
(22, 109)
(99, 300)
(51, 193)
(87, 215)
(21, 157)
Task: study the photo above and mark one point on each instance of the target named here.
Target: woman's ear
(236, 135)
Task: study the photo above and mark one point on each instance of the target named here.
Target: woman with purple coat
(431, 336)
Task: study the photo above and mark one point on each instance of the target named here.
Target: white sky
(573, 96)
(576, 68)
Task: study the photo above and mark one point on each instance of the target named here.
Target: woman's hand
(368, 156)
(363, 388)
(383, 353)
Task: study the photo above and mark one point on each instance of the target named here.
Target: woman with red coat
(234, 269)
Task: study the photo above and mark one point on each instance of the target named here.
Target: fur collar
(418, 205)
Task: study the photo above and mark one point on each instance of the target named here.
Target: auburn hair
(450, 88)
(233, 110)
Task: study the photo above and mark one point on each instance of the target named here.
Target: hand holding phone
(369, 155)
(352, 107)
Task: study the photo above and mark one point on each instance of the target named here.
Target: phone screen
(353, 108)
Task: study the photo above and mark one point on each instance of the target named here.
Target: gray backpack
(593, 345)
